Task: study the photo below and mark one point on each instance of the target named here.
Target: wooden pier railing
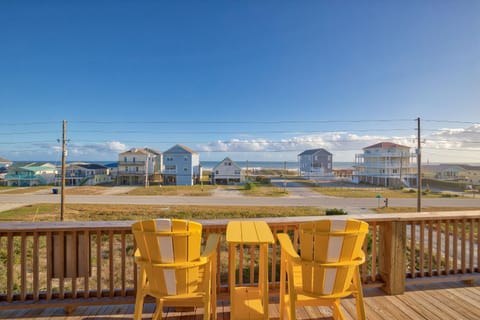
(84, 263)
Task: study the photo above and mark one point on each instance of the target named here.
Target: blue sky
(253, 80)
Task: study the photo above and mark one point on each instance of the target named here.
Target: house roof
(313, 151)
(4, 160)
(180, 149)
(91, 166)
(152, 150)
(440, 167)
(37, 168)
(464, 166)
(227, 159)
(386, 145)
(135, 151)
(112, 165)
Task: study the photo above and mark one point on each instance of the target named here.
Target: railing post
(392, 256)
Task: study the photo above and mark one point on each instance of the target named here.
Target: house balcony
(131, 163)
(418, 266)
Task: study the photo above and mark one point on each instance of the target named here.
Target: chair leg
(207, 310)
(359, 304)
(291, 310)
(337, 310)
(138, 306)
(283, 281)
(157, 315)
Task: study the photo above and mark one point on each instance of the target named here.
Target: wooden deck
(454, 300)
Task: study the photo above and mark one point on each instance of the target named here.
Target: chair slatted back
(330, 250)
(168, 249)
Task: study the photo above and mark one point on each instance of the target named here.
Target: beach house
(139, 167)
(30, 174)
(4, 163)
(385, 164)
(182, 166)
(227, 172)
(315, 163)
(85, 174)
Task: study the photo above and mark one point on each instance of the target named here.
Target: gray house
(315, 163)
(181, 166)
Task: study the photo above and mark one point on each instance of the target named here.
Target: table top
(249, 232)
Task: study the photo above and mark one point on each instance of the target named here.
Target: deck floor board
(428, 301)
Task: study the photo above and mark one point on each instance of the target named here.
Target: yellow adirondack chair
(326, 269)
(172, 270)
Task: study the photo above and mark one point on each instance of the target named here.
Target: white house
(315, 163)
(385, 164)
(139, 167)
(227, 172)
(182, 166)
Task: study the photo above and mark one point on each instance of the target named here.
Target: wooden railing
(81, 263)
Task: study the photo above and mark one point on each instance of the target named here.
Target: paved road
(300, 198)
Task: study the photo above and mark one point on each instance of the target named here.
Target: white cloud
(447, 144)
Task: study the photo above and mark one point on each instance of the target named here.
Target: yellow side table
(249, 302)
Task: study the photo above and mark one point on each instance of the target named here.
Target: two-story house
(315, 163)
(139, 167)
(182, 166)
(227, 172)
(89, 174)
(385, 164)
(31, 174)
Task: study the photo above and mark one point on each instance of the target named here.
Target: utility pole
(64, 155)
(284, 177)
(419, 169)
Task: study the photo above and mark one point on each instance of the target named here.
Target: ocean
(289, 165)
(207, 165)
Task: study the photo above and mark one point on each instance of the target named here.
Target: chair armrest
(211, 246)
(287, 245)
(138, 257)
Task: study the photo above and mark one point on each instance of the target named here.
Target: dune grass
(96, 212)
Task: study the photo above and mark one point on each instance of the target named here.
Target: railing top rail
(221, 223)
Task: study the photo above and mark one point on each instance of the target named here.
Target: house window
(136, 169)
(237, 171)
(185, 169)
(185, 158)
(133, 159)
(216, 171)
(124, 159)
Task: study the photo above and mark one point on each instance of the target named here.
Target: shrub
(448, 195)
(335, 211)
(249, 185)
(262, 179)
